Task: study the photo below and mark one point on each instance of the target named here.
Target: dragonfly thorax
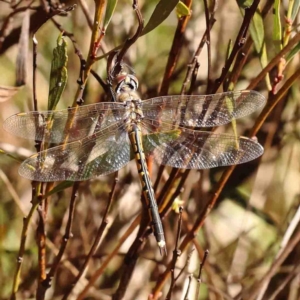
(127, 95)
(134, 113)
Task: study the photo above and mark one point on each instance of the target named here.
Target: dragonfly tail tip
(162, 248)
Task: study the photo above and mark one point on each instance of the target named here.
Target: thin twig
(245, 51)
(91, 59)
(26, 223)
(95, 245)
(186, 296)
(86, 12)
(176, 255)
(130, 261)
(199, 279)
(225, 176)
(275, 60)
(287, 236)
(273, 101)
(117, 66)
(41, 242)
(194, 62)
(239, 42)
(174, 51)
(4, 31)
(47, 282)
(292, 275)
(110, 256)
(208, 20)
(275, 266)
(36, 198)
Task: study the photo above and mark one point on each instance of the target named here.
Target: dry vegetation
(246, 216)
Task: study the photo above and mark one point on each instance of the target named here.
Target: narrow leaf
(277, 30)
(3, 152)
(110, 8)
(161, 12)
(58, 75)
(257, 33)
(182, 10)
(22, 57)
(60, 187)
(293, 52)
(295, 10)
(244, 3)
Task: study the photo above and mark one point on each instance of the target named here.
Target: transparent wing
(84, 121)
(101, 153)
(202, 111)
(189, 149)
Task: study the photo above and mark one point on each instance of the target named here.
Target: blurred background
(251, 232)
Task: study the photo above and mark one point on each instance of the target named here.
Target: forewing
(189, 149)
(202, 111)
(52, 125)
(101, 153)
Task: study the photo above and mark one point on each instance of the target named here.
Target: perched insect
(101, 138)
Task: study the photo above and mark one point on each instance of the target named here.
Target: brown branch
(199, 279)
(292, 275)
(225, 176)
(108, 259)
(273, 101)
(176, 255)
(174, 51)
(96, 241)
(295, 40)
(26, 222)
(275, 266)
(47, 282)
(41, 242)
(194, 64)
(86, 12)
(130, 261)
(186, 296)
(245, 51)
(239, 42)
(4, 31)
(117, 66)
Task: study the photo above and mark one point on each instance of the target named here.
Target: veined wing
(101, 153)
(84, 121)
(184, 148)
(202, 111)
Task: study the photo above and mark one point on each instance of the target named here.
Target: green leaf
(293, 52)
(244, 3)
(59, 74)
(295, 10)
(3, 152)
(60, 187)
(161, 12)
(182, 10)
(277, 30)
(110, 8)
(257, 33)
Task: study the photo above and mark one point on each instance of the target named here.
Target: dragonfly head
(126, 83)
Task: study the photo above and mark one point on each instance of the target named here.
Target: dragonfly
(101, 138)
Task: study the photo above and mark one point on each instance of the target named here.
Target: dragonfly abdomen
(135, 137)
